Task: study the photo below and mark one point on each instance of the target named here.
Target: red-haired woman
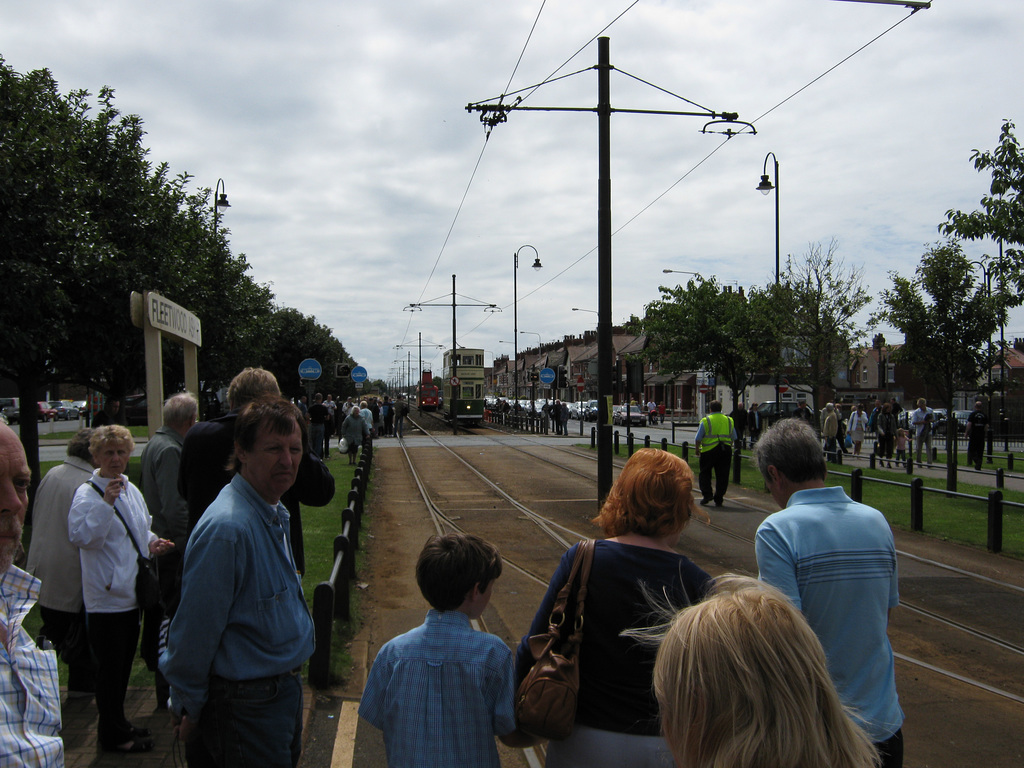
(617, 714)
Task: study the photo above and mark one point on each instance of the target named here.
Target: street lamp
(764, 188)
(580, 309)
(515, 308)
(219, 201)
(681, 272)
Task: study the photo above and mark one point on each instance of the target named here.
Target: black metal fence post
(995, 521)
(857, 485)
(664, 443)
(917, 504)
(629, 443)
(737, 460)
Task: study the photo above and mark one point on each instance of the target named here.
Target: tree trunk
(28, 421)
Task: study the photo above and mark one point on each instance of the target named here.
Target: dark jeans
(975, 451)
(254, 722)
(891, 750)
(716, 460)
(316, 439)
(82, 669)
(113, 638)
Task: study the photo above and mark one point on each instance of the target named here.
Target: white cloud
(341, 133)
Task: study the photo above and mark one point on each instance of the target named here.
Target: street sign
(783, 386)
(579, 384)
(547, 375)
(703, 389)
(310, 369)
(455, 381)
(342, 371)
(359, 374)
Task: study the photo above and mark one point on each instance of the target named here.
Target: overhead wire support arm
(492, 114)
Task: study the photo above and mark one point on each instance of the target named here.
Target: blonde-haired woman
(742, 682)
(109, 566)
(617, 716)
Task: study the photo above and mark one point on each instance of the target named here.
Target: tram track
(1015, 649)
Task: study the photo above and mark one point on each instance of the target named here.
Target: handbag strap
(119, 517)
(581, 565)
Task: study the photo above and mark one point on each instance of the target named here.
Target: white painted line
(345, 740)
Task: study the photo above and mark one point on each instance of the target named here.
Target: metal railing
(331, 597)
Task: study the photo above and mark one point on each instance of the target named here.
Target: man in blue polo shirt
(836, 560)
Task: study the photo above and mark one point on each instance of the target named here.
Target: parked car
(65, 410)
(81, 406)
(9, 408)
(786, 409)
(46, 411)
(636, 415)
(135, 410)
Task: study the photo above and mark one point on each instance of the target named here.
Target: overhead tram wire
(472, 176)
(706, 157)
(479, 159)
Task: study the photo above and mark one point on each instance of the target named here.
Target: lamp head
(765, 186)
(537, 264)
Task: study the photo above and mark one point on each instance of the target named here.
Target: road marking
(345, 740)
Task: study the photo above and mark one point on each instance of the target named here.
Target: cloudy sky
(360, 184)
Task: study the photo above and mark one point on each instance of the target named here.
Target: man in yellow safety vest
(715, 437)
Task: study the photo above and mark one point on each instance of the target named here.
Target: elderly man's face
(14, 481)
(273, 463)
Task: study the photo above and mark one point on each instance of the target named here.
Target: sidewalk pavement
(81, 749)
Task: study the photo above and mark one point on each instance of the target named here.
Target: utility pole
(492, 115)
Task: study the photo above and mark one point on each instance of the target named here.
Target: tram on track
(463, 386)
(427, 394)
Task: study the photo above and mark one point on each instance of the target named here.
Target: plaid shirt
(29, 690)
(441, 693)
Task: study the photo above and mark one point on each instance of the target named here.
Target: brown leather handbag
(546, 699)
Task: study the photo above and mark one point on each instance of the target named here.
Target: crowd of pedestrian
(218, 512)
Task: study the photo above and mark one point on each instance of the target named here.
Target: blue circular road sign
(547, 375)
(310, 369)
(359, 374)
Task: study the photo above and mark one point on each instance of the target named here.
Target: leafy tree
(43, 230)
(293, 338)
(703, 327)
(823, 299)
(1001, 217)
(947, 320)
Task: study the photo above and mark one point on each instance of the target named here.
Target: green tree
(293, 338)
(704, 327)
(43, 230)
(823, 299)
(947, 320)
(1001, 217)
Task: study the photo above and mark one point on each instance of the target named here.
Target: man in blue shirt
(242, 630)
(835, 560)
(442, 692)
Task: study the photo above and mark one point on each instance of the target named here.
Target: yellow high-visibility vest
(717, 431)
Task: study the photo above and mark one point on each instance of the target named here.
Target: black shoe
(718, 503)
(705, 502)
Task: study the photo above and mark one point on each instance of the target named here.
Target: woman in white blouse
(109, 567)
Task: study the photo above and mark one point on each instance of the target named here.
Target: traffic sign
(455, 381)
(547, 375)
(359, 374)
(579, 384)
(310, 369)
(703, 389)
(783, 386)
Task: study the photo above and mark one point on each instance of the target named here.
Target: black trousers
(81, 669)
(891, 750)
(114, 638)
(716, 460)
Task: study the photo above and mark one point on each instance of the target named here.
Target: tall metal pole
(515, 325)
(605, 349)
(454, 368)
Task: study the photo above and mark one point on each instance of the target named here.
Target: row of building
(873, 374)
